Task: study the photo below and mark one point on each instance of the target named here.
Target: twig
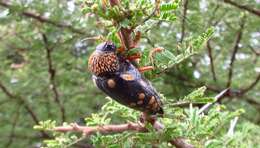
(212, 17)
(42, 19)
(235, 49)
(185, 8)
(219, 96)
(181, 143)
(184, 104)
(232, 126)
(156, 9)
(149, 41)
(11, 136)
(52, 74)
(254, 51)
(243, 7)
(12, 96)
(251, 86)
(211, 61)
(2, 102)
(232, 93)
(26, 106)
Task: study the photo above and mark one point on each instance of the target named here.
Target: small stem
(219, 96)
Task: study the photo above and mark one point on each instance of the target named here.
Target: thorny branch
(235, 49)
(26, 106)
(42, 19)
(243, 7)
(52, 74)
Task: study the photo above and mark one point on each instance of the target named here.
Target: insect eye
(110, 47)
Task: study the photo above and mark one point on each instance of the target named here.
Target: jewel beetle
(120, 79)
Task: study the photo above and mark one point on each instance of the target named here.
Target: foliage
(27, 79)
(202, 129)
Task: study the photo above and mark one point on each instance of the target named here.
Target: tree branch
(26, 106)
(42, 19)
(185, 8)
(211, 61)
(217, 98)
(251, 86)
(243, 7)
(256, 52)
(108, 129)
(235, 49)
(11, 136)
(52, 74)
(105, 129)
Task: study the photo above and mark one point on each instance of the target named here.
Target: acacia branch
(235, 49)
(108, 129)
(26, 106)
(243, 7)
(105, 129)
(52, 74)
(211, 61)
(124, 33)
(42, 19)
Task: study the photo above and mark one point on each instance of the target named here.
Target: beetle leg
(134, 57)
(145, 68)
(153, 52)
(120, 49)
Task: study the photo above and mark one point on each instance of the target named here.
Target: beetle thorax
(102, 63)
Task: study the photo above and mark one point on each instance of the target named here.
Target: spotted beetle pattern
(122, 81)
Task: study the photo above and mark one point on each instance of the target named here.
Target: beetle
(116, 76)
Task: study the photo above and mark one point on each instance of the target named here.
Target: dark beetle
(122, 81)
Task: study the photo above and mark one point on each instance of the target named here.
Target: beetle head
(106, 47)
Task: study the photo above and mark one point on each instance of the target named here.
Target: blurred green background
(47, 78)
